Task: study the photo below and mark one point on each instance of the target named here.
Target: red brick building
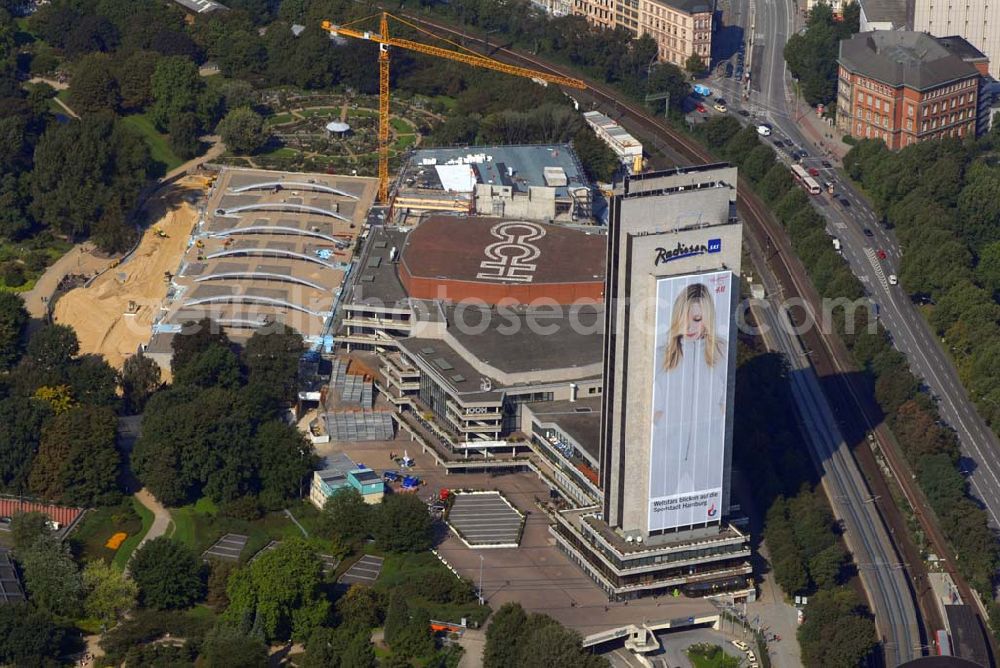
(903, 87)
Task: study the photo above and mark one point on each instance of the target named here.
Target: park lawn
(400, 126)
(99, 525)
(320, 111)
(278, 119)
(401, 568)
(128, 547)
(404, 142)
(200, 525)
(158, 148)
(281, 153)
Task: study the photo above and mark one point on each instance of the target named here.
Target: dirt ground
(98, 312)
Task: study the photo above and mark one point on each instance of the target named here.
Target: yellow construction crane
(463, 56)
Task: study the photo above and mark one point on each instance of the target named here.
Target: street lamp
(481, 579)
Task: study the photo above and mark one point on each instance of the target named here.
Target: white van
(764, 130)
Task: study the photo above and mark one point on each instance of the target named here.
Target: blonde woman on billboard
(689, 416)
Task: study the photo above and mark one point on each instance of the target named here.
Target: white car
(893, 280)
(764, 130)
(751, 657)
(740, 645)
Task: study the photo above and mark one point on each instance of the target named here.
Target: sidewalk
(818, 131)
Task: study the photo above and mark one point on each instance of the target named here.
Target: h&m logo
(683, 250)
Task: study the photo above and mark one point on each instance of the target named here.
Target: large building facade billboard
(690, 376)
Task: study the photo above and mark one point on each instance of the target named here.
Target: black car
(868, 233)
(719, 100)
(843, 202)
(778, 143)
(826, 164)
(744, 113)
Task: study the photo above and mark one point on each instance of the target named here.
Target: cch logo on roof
(682, 251)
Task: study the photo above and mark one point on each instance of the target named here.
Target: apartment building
(680, 28)
(977, 22)
(903, 87)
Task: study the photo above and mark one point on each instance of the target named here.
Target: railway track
(833, 363)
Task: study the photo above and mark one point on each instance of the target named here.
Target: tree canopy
(168, 573)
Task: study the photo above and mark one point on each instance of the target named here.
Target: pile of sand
(98, 312)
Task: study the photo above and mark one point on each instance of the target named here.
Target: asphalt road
(769, 100)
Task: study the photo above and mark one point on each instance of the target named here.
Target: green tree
(52, 347)
(184, 130)
(503, 636)
(27, 528)
(176, 87)
(95, 87)
(285, 459)
(134, 79)
(597, 158)
(108, 594)
(194, 337)
(668, 78)
(86, 174)
(21, 423)
(226, 647)
(93, 381)
(28, 637)
(775, 183)
(695, 65)
(837, 632)
(758, 163)
(77, 461)
(13, 318)
(719, 130)
(168, 574)
(280, 593)
(826, 567)
(347, 517)
(359, 607)
(402, 524)
(242, 130)
(742, 144)
(216, 366)
(140, 379)
(51, 577)
(272, 361)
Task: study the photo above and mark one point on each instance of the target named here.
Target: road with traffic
(870, 249)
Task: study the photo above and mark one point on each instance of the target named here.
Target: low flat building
(543, 182)
(625, 146)
(903, 87)
(330, 477)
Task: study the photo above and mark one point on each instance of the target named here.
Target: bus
(808, 182)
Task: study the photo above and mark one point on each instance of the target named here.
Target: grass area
(132, 542)
(710, 656)
(404, 142)
(401, 126)
(321, 111)
(407, 570)
(282, 153)
(200, 524)
(157, 143)
(278, 119)
(89, 538)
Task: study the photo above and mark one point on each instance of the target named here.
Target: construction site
(113, 314)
